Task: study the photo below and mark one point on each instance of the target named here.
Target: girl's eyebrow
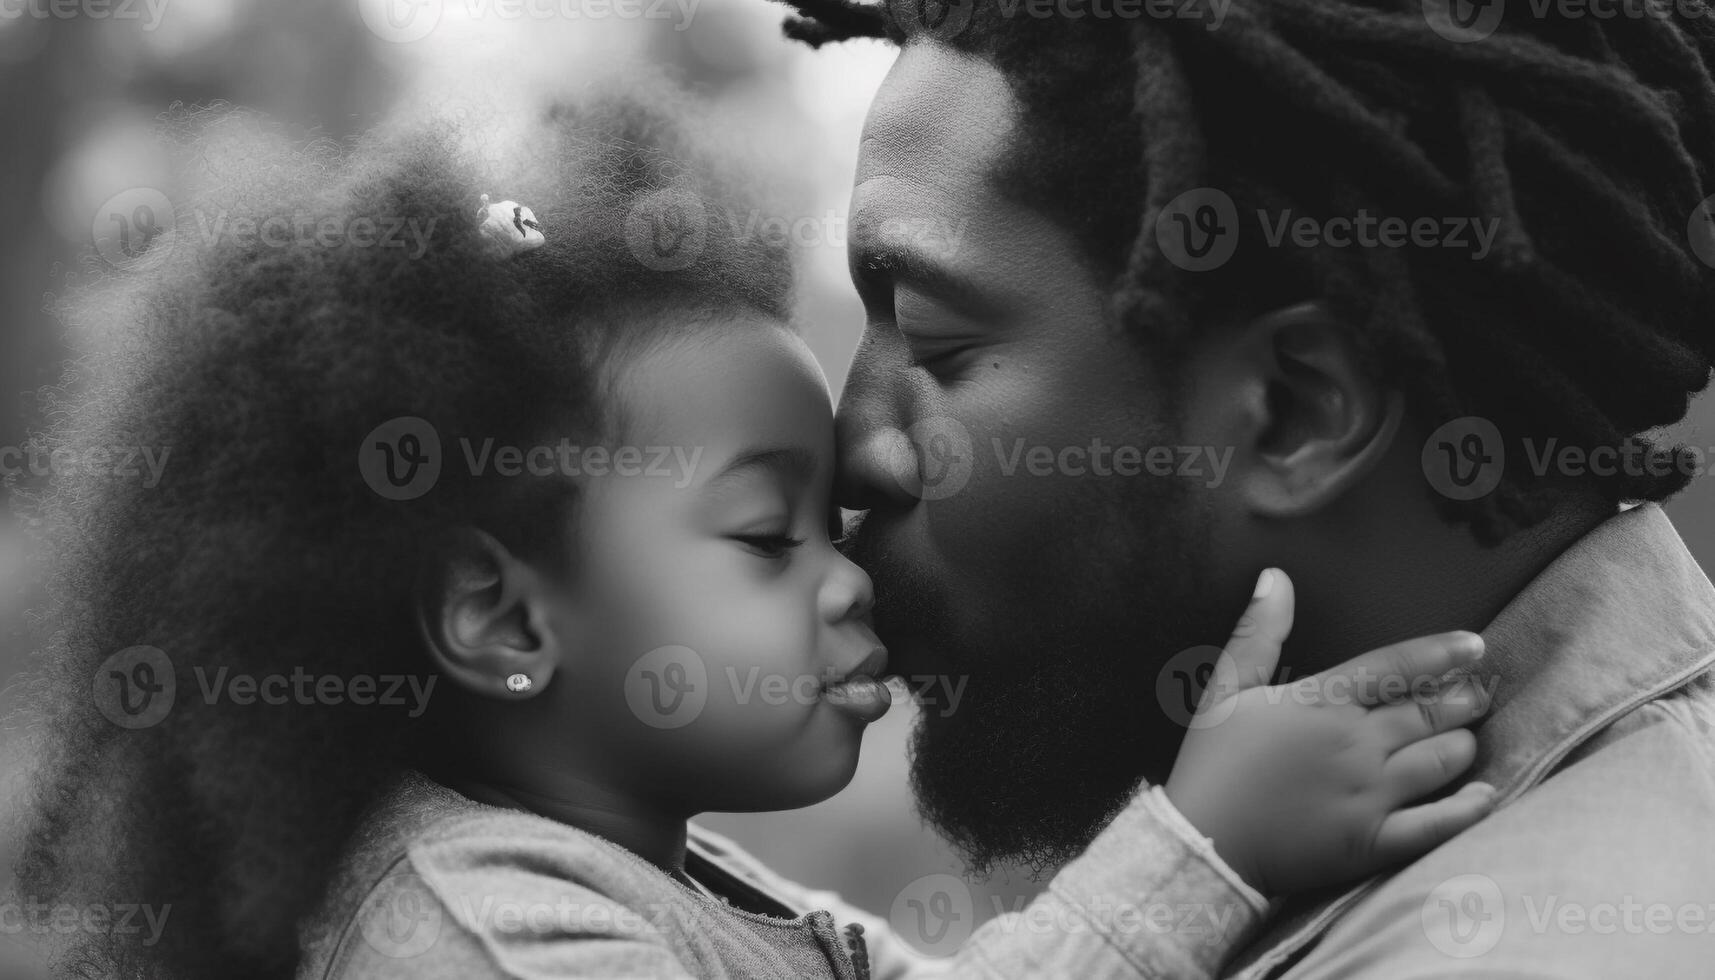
(791, 463)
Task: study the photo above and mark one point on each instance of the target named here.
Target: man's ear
(1316, 421)
(482, 615)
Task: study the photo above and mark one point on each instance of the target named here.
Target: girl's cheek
(773, 639)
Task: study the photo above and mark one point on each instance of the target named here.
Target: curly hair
(263, 551)
(1590, 140)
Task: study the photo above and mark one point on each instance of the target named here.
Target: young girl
(486, 559)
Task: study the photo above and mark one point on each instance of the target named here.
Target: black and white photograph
(857, 489)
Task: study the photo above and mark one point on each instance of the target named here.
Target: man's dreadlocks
(1590, 140)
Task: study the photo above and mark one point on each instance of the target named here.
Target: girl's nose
(847, 593)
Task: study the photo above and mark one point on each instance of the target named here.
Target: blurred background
(84, 93)
(81, 116)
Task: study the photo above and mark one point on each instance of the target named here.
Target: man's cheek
(1006, 530)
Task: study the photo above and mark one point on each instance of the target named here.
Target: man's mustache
(863, 545)
(909, 597)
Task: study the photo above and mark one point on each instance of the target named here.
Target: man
(1386, 296)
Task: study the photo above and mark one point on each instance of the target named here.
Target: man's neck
(1414, 581)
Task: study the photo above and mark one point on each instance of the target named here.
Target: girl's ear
(484, 619)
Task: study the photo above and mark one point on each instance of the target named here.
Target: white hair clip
(510, 228)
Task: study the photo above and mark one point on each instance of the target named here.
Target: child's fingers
(1407, 833)
(1254, 648)
(1391, 671)
(1423, 767)
(1448, 707)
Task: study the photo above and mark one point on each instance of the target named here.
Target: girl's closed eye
(768, 544)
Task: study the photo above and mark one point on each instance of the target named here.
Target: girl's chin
(806, 778)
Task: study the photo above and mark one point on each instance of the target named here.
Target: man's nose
(874, 451)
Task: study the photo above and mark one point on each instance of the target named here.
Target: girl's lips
(873, 664)
(861, 693)
(861, 696)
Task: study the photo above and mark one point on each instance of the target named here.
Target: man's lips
(910, 654)
(907, 591)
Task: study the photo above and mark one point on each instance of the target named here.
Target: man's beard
(1059, 719)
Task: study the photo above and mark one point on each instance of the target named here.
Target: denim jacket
(1600, 861)
(436, 885)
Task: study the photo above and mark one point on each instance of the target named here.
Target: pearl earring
(518, 683)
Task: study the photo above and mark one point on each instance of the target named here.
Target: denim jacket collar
(1624, 616)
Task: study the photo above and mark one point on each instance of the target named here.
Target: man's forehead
(941, 114)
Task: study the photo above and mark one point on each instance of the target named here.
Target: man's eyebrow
(792, 462)
(877, 268)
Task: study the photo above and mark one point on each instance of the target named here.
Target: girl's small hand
(1311, 782)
